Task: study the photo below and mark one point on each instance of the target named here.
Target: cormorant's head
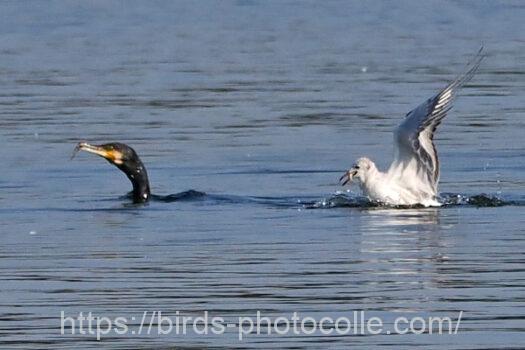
(116, 153)
(126, 159)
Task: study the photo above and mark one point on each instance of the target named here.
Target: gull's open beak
(348, 176)
(113, 156)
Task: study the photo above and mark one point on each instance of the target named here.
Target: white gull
(413, 176)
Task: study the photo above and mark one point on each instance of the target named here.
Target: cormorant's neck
(137, 174)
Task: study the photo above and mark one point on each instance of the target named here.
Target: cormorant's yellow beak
(104, 151)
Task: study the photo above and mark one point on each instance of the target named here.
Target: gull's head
(359, 171)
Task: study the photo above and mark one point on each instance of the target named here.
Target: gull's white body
(400, 185)
(413, 176)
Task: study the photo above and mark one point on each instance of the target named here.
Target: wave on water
(189, 195)
(337, 200)
(197, 196)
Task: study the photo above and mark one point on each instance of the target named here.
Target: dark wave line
(335, 201)
(338, 200)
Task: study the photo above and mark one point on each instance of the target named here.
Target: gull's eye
(356, 167)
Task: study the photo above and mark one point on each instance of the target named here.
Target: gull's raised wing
(414, 136)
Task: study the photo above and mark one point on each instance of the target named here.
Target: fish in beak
(348, 176)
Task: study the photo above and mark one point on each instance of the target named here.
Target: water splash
(479, 200)
(341, 200)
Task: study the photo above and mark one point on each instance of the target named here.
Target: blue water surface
(261, 105)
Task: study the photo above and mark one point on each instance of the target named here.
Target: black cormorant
(126, 159)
